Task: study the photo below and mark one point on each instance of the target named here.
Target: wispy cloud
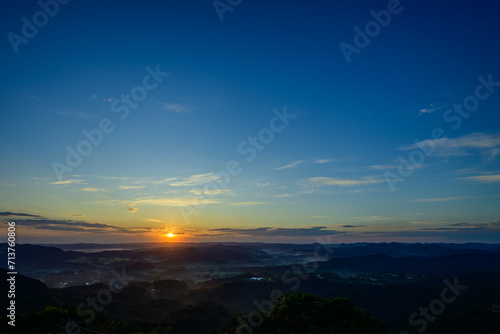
(330, 181)
(196, 180)
(323, 161)
(71, 181)
(132, 210)
(432, 108)
(297, 193)
(442, 199)
(212, 192)
(384, 167)
(165, 180)
(176, 107)
(487, 145)
(130, 187)
(288, 195)
(290, 165)
(483, 178)
(176, 202)
(153, 220)
(91, 189)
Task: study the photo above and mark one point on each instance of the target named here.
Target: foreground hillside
(204, 288)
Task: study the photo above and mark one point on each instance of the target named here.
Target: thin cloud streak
(461, 146)
(323, 161)
(91, 189)
(78, 226)
(165, 180)
(432, 108)
(329, 181)
(176, 107)
(290, 165)
(196, 180)
(277, 231)
(176, 202)
(130, 187)
(70, 181)
(483, 178)
(443, 199)
(17, 214)
(212, 192)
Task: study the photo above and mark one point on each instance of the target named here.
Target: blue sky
(323, 174)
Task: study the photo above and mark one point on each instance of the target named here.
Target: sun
(169, 232)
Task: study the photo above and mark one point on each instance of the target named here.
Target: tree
(305, 313)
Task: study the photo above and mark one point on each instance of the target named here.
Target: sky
(283, 121)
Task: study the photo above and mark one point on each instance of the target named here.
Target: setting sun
(170, 235)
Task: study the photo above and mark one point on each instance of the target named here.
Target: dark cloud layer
(77, 226)
(16, 214)
(277, 232)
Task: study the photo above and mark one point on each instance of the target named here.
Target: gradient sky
(323, 175)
